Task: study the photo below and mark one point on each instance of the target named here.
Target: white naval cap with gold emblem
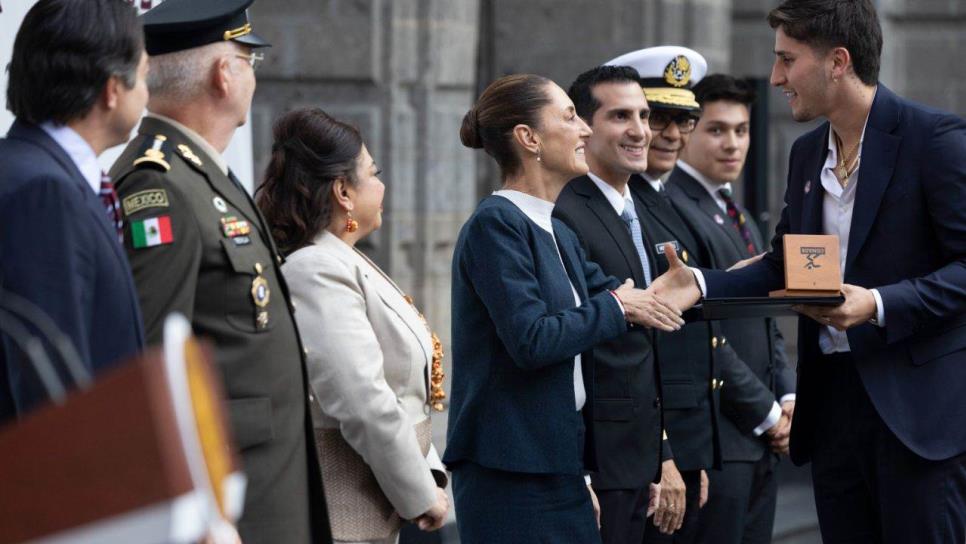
(667, 74)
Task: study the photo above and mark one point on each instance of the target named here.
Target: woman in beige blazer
(370, 352)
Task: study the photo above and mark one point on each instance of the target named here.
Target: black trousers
(623, 515)
(869, 487)
(686, 534)
(741, 503)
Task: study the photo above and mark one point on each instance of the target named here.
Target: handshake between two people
(661, 305)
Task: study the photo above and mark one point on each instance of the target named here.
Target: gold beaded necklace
(436, 375)
(436, 393)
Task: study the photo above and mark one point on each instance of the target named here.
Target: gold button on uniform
(714, 341)
(684, 255)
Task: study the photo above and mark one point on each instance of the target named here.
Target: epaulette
(154, 154)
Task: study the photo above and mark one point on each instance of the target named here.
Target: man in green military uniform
(197, 245)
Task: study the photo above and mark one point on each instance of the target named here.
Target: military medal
(236, 230)
(260, 295)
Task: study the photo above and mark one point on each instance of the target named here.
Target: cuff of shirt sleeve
(587, 479)
(699, 277)
(773, 416)
(619, 303)
(787, 397)
(879, 309)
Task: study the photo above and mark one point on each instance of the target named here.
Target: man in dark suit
(77, 87)
(199, 246)
(879, 411)
(702, 354)
(627, 412)
(602, 210)
(742, 495)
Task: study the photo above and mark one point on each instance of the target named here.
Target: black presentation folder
(730, 308)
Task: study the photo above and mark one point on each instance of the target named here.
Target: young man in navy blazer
(879, 410)
(77, 88)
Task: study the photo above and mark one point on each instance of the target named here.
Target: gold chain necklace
(842, 170)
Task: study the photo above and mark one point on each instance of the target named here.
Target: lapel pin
(718, 219)
(219, 204)
(808, 186)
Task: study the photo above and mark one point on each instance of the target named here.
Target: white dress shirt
(539, 211)
(79, 151)
(837, 206)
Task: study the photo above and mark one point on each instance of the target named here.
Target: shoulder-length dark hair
(311, 150)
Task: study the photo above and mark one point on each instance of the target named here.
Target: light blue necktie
(630, 220)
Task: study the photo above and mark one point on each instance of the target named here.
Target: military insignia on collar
(151, 198)
(677, 73)
(189, 155)
(219, 204)
(153, 153)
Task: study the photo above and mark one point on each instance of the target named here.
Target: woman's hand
(647, 308)
(435, 517)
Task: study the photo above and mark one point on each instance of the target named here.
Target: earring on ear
(351, 225)
(538, 155)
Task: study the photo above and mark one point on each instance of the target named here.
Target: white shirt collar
(617, 200)
(78, 150)
(536, 209)
(656, 183)
(198, 140)
(705, 182)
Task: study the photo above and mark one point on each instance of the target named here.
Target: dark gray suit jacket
(696, 360)
(627, 414)
(757, 341)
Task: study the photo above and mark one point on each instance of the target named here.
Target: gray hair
(182, 75)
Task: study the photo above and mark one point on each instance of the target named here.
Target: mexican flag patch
(151, 232)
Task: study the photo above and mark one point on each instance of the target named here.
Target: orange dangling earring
(351, 225)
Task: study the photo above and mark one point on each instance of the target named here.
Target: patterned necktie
(111, 205)
(738, 220)
(629, 216)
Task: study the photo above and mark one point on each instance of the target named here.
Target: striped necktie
(738, 220)
(629, 216)
(111, 205)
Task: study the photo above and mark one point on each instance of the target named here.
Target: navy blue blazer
(908, 240)
(58, 250)
(516, 332)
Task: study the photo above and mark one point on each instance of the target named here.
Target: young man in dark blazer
(879, 411)
(742, 496)
(77, 87)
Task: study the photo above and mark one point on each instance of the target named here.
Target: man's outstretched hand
(677, 286)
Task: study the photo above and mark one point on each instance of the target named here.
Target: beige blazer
(369, 357)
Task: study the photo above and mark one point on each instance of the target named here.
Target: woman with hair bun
(373, 363)
(527, 308)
